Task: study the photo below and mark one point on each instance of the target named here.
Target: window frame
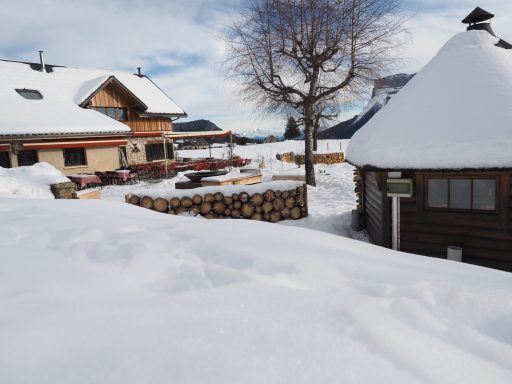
(105, 111)
(36, 155)
(68, 165)
(462, 210)
(170, 151)
(24, 92)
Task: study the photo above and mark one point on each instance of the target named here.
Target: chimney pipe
(41, 59)
(138, 72)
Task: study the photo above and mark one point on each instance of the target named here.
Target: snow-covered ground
(97, 291)
(330, 203)
(104, 292)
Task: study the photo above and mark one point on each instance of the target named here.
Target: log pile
(271, 206)
(322, 158)
(358, 181)
(318, 158)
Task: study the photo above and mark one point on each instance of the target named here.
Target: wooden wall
(485, 238)
(114, 96)
(376, 207)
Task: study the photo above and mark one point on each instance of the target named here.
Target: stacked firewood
(318, 158)
(358, 181)
(270, 206)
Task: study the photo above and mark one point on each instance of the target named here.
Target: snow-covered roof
(63, 90)
(456, 113)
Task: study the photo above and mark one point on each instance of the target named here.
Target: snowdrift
(99, 291)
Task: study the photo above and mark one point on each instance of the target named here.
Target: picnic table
(84, 180)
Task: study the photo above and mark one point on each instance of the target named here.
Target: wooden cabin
(443, 143)
(81, 120)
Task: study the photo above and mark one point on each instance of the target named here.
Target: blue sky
(177, 44)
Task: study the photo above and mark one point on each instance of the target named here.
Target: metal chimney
(138, 72)
(41, 59)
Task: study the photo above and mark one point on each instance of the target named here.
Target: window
(5, 161)
(74, 157)
(27, 158)
(120, 114)
(156, 151)
(30, 94)
(462, 194)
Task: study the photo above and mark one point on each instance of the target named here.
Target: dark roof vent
(475, 20)
(477, 16)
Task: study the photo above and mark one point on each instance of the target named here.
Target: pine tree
(292, 129)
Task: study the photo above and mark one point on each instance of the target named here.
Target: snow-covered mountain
(383, 90)
(260, 134)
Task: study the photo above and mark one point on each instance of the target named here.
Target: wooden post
(165, 156)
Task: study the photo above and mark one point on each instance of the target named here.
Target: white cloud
(177, 43)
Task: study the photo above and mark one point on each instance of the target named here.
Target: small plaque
(399, 188)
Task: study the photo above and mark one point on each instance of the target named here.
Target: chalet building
(81, 120)
(444, 143)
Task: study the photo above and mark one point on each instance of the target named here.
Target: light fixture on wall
(16, 147)
(135, 147)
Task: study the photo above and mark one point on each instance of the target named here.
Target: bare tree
(298, 53)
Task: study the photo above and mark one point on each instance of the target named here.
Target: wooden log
(285, 194)
(181, 210)
(277, 193)
(206, 207)
(237, 204)
(278, 203)
(195, 210)
(146, 202)
(134, 199)
(175, 202)
(208, 198)
(258, 209)
(293, 193)
(186, 202)
(295, 213)
(229, 206)
(235, 213)
(218, 196)
(247, 210)
(161, 205)
(299, 200)
(269, 195)
(209, 216)
(234, 196)
(267, 207)
(219, 207)
(257, 216)
(266, 216)
(285, 213)
(172, 212)
(197, 199)
(300, 190)
(228, 200)
(275, 216)
(243, 197)
(227, 212)
(289, 202)
(257, 199)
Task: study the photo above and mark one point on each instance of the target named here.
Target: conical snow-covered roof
(456, 113)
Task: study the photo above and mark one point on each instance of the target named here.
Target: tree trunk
(315, 140)
(308, 139)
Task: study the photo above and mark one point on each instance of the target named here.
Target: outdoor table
(83, 180)
(123, 174)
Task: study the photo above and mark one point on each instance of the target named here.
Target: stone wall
(65, 190)
(136, 149)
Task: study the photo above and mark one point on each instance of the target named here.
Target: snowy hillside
(382, 92)
(98, 291)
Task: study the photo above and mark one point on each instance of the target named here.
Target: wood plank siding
(485, 238)
(114, 96)
(376, 209)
